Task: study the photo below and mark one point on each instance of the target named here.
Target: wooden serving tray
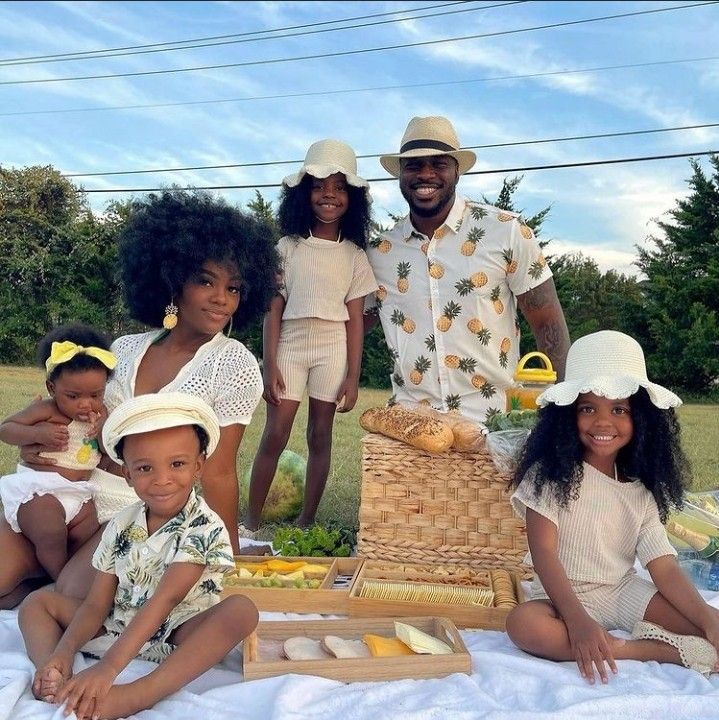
(463, 616)
(331, 597)
(261, 655)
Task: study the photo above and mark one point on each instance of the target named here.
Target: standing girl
(313, 332)
(595, 482)
(51, 503)
(160, 567)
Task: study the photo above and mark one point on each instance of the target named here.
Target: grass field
(340, 504)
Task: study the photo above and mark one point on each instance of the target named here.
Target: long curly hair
(295, 216)
(167, 238)
(554, 453)
(79, 334)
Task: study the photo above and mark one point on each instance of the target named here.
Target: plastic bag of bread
(468, 436)
(420, 431)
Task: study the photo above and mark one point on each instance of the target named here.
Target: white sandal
(696, 653)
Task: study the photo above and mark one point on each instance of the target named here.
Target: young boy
(160, 568)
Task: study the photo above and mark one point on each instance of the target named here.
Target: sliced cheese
(381, 646)
(421, 642)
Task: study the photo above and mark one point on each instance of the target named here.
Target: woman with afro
(193, 269)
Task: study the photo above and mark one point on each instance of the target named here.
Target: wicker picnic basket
(448, 508)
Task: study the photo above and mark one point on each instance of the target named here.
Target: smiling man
(451, 276)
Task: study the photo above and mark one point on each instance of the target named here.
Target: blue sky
(367, 98)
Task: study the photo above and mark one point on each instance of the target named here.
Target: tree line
(59, 264)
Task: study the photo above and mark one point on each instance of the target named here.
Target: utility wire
(300, 33)
(626, 133)
(495, 171)
(315, 93)
(345, 53)
(90, 53)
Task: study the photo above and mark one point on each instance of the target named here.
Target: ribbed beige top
(320, 276)
(604, 531)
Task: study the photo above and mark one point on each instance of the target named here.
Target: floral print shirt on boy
(195, 535)
(448, 306)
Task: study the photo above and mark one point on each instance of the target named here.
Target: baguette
(424, 433)
(468, 435)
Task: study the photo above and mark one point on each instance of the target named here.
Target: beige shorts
(23, 485)
(614, 607)
(312, 355)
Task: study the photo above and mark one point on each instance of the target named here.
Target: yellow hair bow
(62, 352)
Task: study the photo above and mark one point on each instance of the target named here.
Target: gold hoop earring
(229, 328)
(170, 319)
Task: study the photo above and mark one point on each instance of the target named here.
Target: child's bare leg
(201, 642)
(274, 440)
(42, 618)
(82, 527)
(42, 521)
(319, 444)
(536, 628)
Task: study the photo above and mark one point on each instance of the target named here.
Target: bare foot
(51, 681)
(120, 703)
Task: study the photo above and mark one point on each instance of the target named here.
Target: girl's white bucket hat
(610, 364)
(325, 158)
(158, 411)
(426, 136)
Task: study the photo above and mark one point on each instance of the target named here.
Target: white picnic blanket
(505, 684)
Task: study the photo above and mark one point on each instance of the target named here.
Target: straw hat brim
(158, 411)
(465, 158)
(323, 171)
(614, 387)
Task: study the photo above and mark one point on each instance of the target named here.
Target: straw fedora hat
(610, 364)
(325, 158)
(158, 411)
(424, 136)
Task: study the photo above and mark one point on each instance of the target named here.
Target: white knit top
(320, 276)
(223, 372)
(601, 534)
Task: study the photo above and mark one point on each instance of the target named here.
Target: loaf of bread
(468, 435)
(420, 431)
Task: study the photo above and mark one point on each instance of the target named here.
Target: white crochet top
(223, 372)
(603, 532)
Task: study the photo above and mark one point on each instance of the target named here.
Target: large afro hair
(170, 235)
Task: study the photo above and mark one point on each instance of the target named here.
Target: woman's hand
(85, 693)
(347, 395)
(50, 436)
(274, 384)
(592, 647)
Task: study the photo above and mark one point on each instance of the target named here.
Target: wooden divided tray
(325, 591)
(262, 654)
(470, 597)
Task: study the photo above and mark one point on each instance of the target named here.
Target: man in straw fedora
(451, 276)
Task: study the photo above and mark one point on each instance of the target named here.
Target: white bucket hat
(610, 364)
(425, 136)
(325, 158)
(158, 411)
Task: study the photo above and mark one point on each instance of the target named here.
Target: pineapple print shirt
(195, 535)
(448, 306)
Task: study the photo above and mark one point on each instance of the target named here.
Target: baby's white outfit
(600, 536)
(25, 483)
(319, 278)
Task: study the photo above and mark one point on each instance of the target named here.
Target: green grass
(340, 504)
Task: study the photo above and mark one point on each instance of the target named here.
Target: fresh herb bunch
(315, 541)
(512, 419)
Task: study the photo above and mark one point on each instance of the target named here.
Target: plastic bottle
(713, 578)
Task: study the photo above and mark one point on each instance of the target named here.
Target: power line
(87, 54)
(109, 54)
(315, 93)
(625, 133)
(345, 53)
(495, 171)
